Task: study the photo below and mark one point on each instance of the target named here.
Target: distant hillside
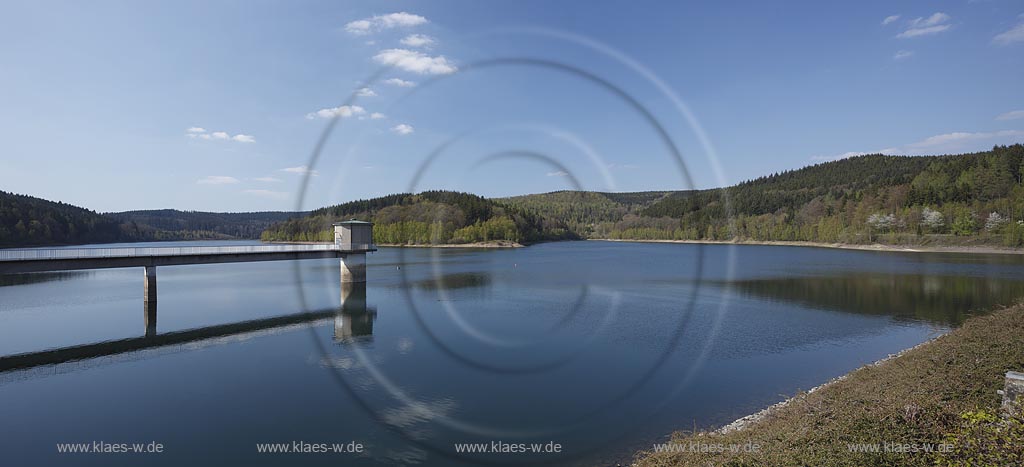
(955, 199)
(25, 221)
(30, 221)
(171, 224)
(431, 217)
(583, 212)
(893, 199)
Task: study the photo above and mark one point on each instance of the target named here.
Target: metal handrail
(132, 252)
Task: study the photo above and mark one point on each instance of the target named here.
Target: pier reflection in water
(353, 319)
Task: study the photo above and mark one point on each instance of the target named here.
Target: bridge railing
(131, 252)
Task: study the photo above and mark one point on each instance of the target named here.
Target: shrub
(984, 439)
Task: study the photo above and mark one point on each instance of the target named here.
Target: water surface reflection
(241, 359)
(939, 299)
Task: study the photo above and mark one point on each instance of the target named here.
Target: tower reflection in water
(354, 321)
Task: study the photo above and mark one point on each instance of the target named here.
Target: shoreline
(923, 391)
(840, 246)
(964, 249)
(743, 422)
(494, 244)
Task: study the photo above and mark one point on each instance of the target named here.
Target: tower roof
(353, 222)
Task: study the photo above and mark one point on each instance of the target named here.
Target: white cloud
(935, 18)
(365, 92)
(1012, 115)
(399, 82)
(958, 141)
(267, 194)
(199, 132)
(377, 116)
(915, 32)
(217, 180)
(934, 24)
(381, 22)
(902, 54)
(1015, 34)
(402, 129)
(559, 173)
(890, 19)
(416, 62)
(947, 143)
(399, 19)
(267, 179)
(302, 169)
(358, 27)
(418, 40)
(344, 111)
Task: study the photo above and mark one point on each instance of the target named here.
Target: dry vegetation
(942, 392)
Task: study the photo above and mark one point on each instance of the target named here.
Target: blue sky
(218, 105)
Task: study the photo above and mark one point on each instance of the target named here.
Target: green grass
(931, 394)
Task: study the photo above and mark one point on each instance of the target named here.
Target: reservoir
(588, 351)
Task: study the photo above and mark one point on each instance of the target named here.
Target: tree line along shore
(962, 201)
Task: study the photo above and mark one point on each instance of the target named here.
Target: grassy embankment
(940, 392)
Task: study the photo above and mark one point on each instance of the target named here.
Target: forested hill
(973, 198)
(172, 224)
(793, 188)
(430, 217)
(956, 199)
(587, 214)
(960, 199)
(30, 221)
(25, 220)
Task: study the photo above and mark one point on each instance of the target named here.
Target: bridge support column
(353, 297)
(353, 268)
(150, 284)
(150, 311)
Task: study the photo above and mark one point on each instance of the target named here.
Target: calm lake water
(601, 347)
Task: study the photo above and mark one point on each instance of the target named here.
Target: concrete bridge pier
(150, 285)
(353, 297)
(150, 317)
(353, 268)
